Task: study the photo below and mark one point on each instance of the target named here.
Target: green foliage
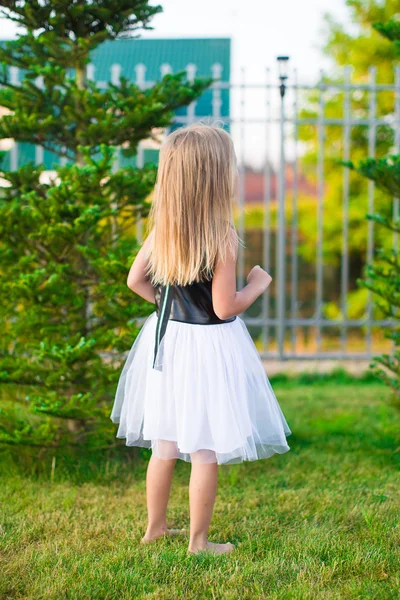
(81, 26)
(67, 243)
(385, 173)
(338, 376)
(67, 115)
(391, 31)
(361, 46)
(383, 276)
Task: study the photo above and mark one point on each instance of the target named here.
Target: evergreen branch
(384, 172)
(390, 30)
(11, 86)
(92, 22)
(67, 246)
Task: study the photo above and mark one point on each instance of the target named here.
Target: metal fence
(266, 120)
(365, 109)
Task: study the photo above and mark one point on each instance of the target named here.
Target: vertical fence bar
(191, 110)
(90, 72)
(14, 80)
(14, 156)
(140, 72)
(242, 174)
(117, 159)
(295, 218)
(39, 155)
(396, 208)
(281, 239)
(63, 158)
(320, 212)
(14, 75)
(216, 102)
(116, 71)
(396, 212)
(371, 194)
(267, 212)
(39, 151)
(140, 165)
(165, 69)
(346, 193)
(115, 78)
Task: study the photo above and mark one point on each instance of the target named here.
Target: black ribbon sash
(164, 311)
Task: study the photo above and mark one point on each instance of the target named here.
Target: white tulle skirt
(209, 400)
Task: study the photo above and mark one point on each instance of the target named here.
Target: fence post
(90, 72)
(267, 211)
(140, 71)
(216, 71)
(344, 287)
(319, 292)
(14, 80)
(191, 109)
(396, 201)
(371, 198)
(281, 237)
(116, 71)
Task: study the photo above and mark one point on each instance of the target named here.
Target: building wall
(144, 62)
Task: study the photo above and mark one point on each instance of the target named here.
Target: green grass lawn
(319, 522)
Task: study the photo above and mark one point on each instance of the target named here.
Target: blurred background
(310, 92)
(300, 212)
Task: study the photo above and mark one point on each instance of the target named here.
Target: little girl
(193, 386)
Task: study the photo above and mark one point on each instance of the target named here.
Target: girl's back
(190, 303)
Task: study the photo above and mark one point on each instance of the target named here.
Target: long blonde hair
(191, 214)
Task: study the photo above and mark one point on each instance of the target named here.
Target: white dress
(197, 392)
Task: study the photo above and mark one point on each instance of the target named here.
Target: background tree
(383, 276)
(362, 47)
(66, 245)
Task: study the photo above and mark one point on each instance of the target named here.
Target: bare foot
(151, 537)
(213, 548)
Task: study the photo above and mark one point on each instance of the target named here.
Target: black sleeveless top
(186, 304)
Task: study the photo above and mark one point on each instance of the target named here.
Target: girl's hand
(259, 277)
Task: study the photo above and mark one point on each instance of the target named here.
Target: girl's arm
(227, 302)
(137, 280)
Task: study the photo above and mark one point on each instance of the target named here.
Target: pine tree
(66, 245)
(383, 276)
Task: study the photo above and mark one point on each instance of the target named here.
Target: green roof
(154, 54)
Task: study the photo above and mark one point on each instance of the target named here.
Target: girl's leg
(202, 492)
(158, 485)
